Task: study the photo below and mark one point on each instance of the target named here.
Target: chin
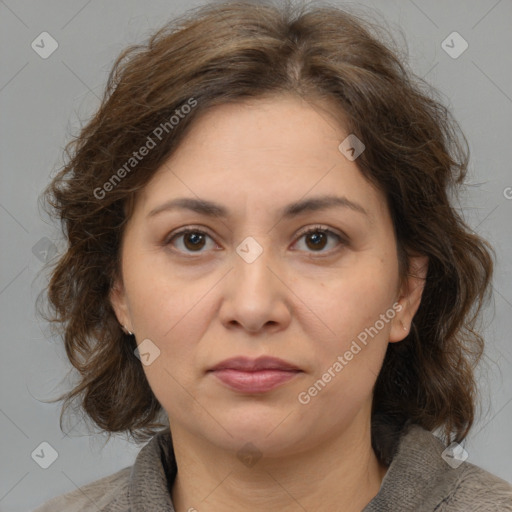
(273, 433)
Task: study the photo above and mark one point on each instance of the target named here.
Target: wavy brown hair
(415, 153)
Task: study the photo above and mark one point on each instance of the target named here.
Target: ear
(119, 303)
(409, 298)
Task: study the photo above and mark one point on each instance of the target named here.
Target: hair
(415, 154)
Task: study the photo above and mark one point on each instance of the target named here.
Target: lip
(254, 375)
(247, 364)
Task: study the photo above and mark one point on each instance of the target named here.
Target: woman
(264, 263)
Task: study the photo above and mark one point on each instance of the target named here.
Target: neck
(341, 473)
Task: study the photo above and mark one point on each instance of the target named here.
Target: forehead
(263, 152)
(285, 127)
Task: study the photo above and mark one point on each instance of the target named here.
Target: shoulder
(145, 483)
(109, 494)
(475, 489)
(426, 476)
(452, 483)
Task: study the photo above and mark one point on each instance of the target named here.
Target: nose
(256, 297)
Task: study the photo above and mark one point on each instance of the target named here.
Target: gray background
(42, 101)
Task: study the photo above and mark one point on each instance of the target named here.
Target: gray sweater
(418, 479)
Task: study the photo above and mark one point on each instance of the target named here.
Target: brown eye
(318, 238)
(189, 240)
(194, 240)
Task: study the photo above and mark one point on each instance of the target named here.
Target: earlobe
(410, 298)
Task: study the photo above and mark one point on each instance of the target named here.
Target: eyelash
(314, 229)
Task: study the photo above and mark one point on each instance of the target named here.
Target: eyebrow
(212, 209)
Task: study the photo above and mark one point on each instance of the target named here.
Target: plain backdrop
(43, 100)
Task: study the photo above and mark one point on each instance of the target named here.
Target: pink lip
(251, 365)
(258, 381)
(254, 375)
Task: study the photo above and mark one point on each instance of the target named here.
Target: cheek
(351, 298)
(348, 354)
(173, 317)
(163, 301)
(175, 314)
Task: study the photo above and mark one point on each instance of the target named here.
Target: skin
(302, 302)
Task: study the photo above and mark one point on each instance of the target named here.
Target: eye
(317, 238)
(191, 240)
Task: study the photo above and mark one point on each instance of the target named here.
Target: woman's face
(255, 285)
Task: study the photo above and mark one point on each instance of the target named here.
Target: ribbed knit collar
(417, 478)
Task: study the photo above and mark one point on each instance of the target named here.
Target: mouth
(254, 375)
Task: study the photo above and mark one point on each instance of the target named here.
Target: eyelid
(342, 238)
(321, 227)
(184, 230)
